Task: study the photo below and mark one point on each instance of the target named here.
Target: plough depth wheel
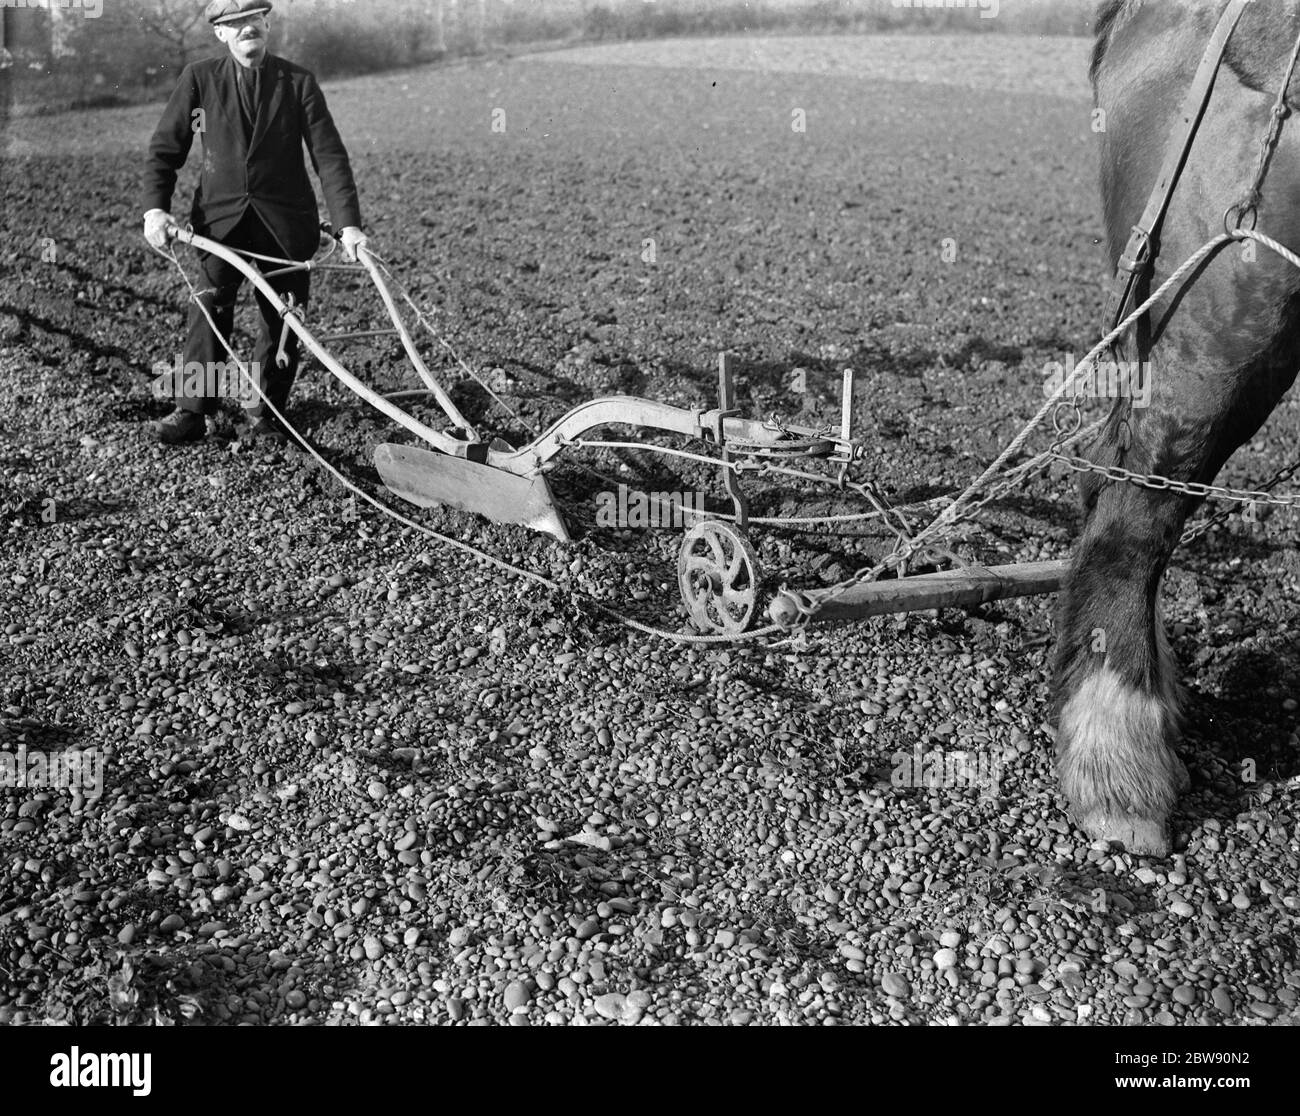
(717, 572)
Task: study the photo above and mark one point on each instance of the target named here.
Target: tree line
(57, 54)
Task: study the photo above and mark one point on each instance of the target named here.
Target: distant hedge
(134, 48)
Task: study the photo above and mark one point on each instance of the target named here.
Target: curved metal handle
(456, 447)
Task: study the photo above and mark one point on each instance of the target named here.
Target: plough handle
(408, 343)
(444, 442)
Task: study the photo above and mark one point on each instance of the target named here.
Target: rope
(948, 517)
(1268, 142)
(499, 563)
(1268, 242)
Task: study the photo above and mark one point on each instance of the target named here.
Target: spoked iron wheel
(717, 573)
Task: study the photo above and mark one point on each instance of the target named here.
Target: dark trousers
(218, 290)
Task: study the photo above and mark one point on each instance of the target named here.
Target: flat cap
(222, 11)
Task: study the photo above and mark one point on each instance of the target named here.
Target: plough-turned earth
(353, 774)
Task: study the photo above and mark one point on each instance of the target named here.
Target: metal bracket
(727, 409)
(290, 307)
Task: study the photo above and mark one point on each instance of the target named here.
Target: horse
(1220, 351)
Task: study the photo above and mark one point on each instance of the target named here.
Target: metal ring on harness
(1070, 425)
(1240, 209)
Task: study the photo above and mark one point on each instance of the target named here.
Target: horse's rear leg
(1116, 688)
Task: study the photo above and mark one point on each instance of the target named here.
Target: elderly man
(252, 111)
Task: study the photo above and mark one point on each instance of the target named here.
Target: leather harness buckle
(1137, 254)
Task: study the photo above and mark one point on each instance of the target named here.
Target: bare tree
(174, 21)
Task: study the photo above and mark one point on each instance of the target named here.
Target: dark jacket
(265, 171)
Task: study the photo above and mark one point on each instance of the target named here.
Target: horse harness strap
(1136, 259)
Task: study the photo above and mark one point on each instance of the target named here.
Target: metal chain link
(806, 608)
(963, 507)
(1184, 488)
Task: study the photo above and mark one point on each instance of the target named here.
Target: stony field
(351, 774)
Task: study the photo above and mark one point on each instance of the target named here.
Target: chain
(806, 608)
(575, 595)
(1063, 402)
(959, 510)
(1236, 496)
(1184, 488)
(1067, 416)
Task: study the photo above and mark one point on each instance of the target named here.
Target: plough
(718, 571)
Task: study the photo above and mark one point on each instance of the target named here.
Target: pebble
(895, 984)
(636, 759)
(611, 1005)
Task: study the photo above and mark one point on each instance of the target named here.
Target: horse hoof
(1139, 836)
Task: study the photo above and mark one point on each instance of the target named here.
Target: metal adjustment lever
(846, 425)
(727, 409)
